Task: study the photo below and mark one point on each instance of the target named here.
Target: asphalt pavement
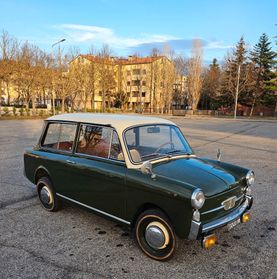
(74, 243)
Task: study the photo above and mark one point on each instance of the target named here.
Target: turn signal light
(245, 217)
(209, 241)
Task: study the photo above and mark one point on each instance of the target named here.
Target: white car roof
(119, 121)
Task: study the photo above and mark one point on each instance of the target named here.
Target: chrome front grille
(238, 201)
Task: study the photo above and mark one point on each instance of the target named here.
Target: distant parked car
(139, 171)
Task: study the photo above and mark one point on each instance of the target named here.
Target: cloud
(101, 35)
(142, 43)
(178, 45)
(217, 45)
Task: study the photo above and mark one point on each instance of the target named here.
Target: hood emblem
(229, 203)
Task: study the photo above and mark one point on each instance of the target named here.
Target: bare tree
(106, 75)
(195, 74)
(167, 78)
(8, 50)
(180, 90)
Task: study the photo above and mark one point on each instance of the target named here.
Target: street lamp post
(53, 92)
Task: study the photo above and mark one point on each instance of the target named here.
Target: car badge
(229, 203)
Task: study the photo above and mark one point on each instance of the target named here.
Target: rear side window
(94, 140)
(60, 136)
(99, 141)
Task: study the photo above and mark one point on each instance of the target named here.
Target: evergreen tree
(263, 57)
(211, 84)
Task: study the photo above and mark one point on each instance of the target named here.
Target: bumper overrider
(199, 230)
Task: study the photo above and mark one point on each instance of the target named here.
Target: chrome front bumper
(197, 229)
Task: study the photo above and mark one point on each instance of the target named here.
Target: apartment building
(133, 83)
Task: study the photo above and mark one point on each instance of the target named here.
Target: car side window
(116, 150)
(60, 136)
(94, 140)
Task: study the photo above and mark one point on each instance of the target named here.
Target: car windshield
(155, 141)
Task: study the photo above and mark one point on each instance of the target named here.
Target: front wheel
(155, 235)
(47, 196)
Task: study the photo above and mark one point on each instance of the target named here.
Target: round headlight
(197, 199)
(250, 178)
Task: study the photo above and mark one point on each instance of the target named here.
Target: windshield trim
(163, 156)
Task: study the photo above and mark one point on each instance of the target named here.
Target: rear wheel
(155, 235)
(47, 196)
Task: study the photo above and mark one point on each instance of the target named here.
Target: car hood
(201, 173)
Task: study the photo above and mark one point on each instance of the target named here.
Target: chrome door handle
(70, 162)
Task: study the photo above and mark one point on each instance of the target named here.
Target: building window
(136, 82)
(143, 83)
(136, 72)
(144, 71)
(135, 93)
(143, 94)
(128, 94)
(128, 83)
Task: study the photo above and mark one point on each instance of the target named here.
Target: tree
(8, 51)
(106, 75)
(211, 85)
(121, 96)
(180, 93)
(195, 74)
(263, 59)
(235, 76)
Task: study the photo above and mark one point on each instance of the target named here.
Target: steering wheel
(162, 145)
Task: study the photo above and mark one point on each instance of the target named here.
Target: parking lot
(74, 243)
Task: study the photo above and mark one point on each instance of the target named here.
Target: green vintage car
(139, 171)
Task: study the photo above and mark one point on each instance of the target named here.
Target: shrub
(41, 106)
(27, 111)
(21, 110)
(6, 111)
(14, 111)
(41, 113)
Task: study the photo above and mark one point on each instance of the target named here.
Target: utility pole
(237, 93)
(53, 92)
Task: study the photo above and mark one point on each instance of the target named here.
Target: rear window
(60, 136)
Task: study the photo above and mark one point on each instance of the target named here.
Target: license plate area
(233, 224)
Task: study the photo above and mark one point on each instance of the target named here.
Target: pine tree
(263, 57)
(211, 83)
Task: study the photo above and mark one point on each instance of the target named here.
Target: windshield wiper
(178, 151)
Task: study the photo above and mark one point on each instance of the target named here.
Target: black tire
(47, 195)
(155, 235)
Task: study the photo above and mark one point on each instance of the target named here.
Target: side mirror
(146, 168)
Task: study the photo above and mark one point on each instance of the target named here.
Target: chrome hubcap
(155, 236)
(45, 196)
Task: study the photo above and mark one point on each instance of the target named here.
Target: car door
(96, 174)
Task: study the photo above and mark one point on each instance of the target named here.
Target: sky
(130, 27)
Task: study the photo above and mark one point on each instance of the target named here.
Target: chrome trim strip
(226, 219)
(220, 207)
(95, 209)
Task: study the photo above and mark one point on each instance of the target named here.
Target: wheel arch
(145, 207)
(40, 172)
